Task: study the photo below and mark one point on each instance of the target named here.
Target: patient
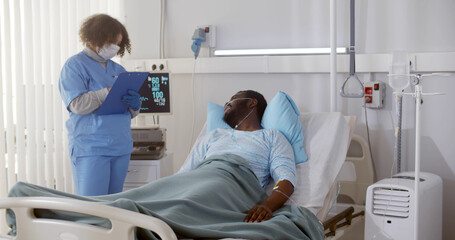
(219, 192)
(267, 151)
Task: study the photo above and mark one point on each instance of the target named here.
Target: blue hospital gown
(267, 151)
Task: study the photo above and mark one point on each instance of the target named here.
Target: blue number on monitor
(158, 95)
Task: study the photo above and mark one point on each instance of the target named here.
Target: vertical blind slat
(48, 137)
(93, 7)
(10, 129)
(110, 8)
(57, 102)
(64, 53)
(3, 176)
(73, 24)
(82, 11)
(71, 46)
(20, 96)
(38, 61)
(28, 56)
(63, 41)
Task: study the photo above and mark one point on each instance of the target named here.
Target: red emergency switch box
(374, 94)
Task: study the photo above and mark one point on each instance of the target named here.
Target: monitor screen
(155, 94)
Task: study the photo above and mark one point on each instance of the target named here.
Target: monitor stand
(141, 122)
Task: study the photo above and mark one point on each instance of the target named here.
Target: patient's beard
(233, 120)
(243, 119)
(230, 118)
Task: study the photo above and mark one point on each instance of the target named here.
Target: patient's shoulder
(273, 132)
(275, 137)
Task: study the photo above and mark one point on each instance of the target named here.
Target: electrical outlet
(138, 66)
(210, 36)
(133, 65)
(156, 65)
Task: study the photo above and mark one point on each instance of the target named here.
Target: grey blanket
(208, 202)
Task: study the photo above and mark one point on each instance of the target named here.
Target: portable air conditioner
(390, 212)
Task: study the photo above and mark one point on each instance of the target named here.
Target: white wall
(382, 26)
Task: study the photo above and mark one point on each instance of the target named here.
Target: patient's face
(236, 109)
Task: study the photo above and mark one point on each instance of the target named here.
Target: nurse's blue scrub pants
(99, 175)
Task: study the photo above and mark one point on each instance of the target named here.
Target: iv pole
(418, 98)
(418, 93)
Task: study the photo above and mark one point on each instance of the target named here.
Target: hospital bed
(327, 137)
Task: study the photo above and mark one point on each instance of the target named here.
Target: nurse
(100, 145)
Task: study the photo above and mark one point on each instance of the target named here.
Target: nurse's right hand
(132, 99)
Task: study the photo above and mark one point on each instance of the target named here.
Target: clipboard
(125, 81)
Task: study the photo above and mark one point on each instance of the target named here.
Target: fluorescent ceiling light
(282, 51)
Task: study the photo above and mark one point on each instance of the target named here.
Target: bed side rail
(123, 221)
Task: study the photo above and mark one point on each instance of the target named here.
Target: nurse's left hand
(132, 99)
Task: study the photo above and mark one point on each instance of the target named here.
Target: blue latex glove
(133, 100)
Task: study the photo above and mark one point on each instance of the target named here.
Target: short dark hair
(100, 29)
(262, 103)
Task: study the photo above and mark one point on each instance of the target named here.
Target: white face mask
(108, 51)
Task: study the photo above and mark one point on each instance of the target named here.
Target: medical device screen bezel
(168, 99)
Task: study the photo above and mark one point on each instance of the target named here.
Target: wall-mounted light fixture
(281, 51)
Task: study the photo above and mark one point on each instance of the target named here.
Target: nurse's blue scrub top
(92, 134)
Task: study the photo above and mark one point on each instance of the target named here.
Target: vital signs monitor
(155, 94)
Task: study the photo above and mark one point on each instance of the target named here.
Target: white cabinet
(141, 172)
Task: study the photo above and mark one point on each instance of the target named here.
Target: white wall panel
(143, 25)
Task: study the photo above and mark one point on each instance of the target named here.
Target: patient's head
(245, 110)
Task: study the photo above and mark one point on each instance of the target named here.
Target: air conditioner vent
(391, 202)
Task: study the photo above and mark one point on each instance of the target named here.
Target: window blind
(36, 38)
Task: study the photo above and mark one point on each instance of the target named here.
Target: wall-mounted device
(205, 37)
(374, 94)
(210, 36)
(198, 38)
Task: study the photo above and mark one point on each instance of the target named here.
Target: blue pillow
(281, 114)
(215, 114)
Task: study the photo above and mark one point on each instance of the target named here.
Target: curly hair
(99, 29)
